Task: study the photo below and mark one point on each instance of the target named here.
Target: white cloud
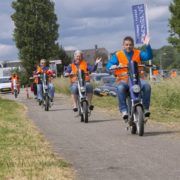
(84, 23)
(157, 13)
(7, 26)
(8, 52)
(69, 48)
(102, 22)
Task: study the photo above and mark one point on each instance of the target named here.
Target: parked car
(5, 84)
(108, 80)
(96, 77)
(107, 88)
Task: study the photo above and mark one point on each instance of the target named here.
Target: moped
(136, 118)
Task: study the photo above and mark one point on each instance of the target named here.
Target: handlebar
(125, 67)
(118, 67)
(69, 75)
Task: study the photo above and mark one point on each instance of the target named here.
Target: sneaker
(75, 109)
(125, 115)
(146, 113)
(91, 107)
(40, 102)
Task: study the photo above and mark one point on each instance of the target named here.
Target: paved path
(103, 149)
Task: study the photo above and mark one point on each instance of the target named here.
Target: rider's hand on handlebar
(113, 67)
(66, 74)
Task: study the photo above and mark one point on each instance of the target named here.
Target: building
(6, 67)
(91, 54)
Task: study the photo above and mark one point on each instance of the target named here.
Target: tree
(66, 60)
(166, 57)
(174, 23)
(36, 31)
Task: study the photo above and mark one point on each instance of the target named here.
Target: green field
(24, 154)
(165, 100)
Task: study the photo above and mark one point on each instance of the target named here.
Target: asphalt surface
(103, 149)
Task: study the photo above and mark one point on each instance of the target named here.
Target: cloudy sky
(84, 23)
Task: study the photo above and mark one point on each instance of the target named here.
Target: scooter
(82, 101)
(83, 105)
(45, 92)
(136, 118)
(15, 88)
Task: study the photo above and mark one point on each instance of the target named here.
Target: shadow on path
(61, 109)
(101, 121)
(156, 133)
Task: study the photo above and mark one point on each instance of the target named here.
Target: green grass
(165, 99)
(62, 85)
(166, 94)
(24, 154)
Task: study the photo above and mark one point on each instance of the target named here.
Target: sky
(84, 23)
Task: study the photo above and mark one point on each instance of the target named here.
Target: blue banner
(140, 24)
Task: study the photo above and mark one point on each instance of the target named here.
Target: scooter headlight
(136, 88)
(82, 89)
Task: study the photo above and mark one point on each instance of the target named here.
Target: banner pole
(147, 21)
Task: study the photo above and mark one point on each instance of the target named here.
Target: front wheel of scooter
(15, 93)
(139, 117)
(85, 111)
(46, 107)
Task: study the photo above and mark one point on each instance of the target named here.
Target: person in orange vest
(40, 70)
(36, 80)
(173, 74)
(155, 72)
(14, 76)
(79, 62)
(122, 57)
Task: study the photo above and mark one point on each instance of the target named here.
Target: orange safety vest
(16, 78)
(121, 74)
(83, 66)
(12, 78)
(39, 69)
(173, 74)
(155, 72)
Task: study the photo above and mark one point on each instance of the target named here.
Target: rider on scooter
(41, 69)
(79, 62)
(14, 76)
(122, 58)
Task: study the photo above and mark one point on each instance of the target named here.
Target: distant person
(40, 70)
(122, 57)
(155, 73)
(15, 77)
(36, 80)
(173, 74)
(79, 62)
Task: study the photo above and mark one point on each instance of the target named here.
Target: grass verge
(165, 99)
(24, 154)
